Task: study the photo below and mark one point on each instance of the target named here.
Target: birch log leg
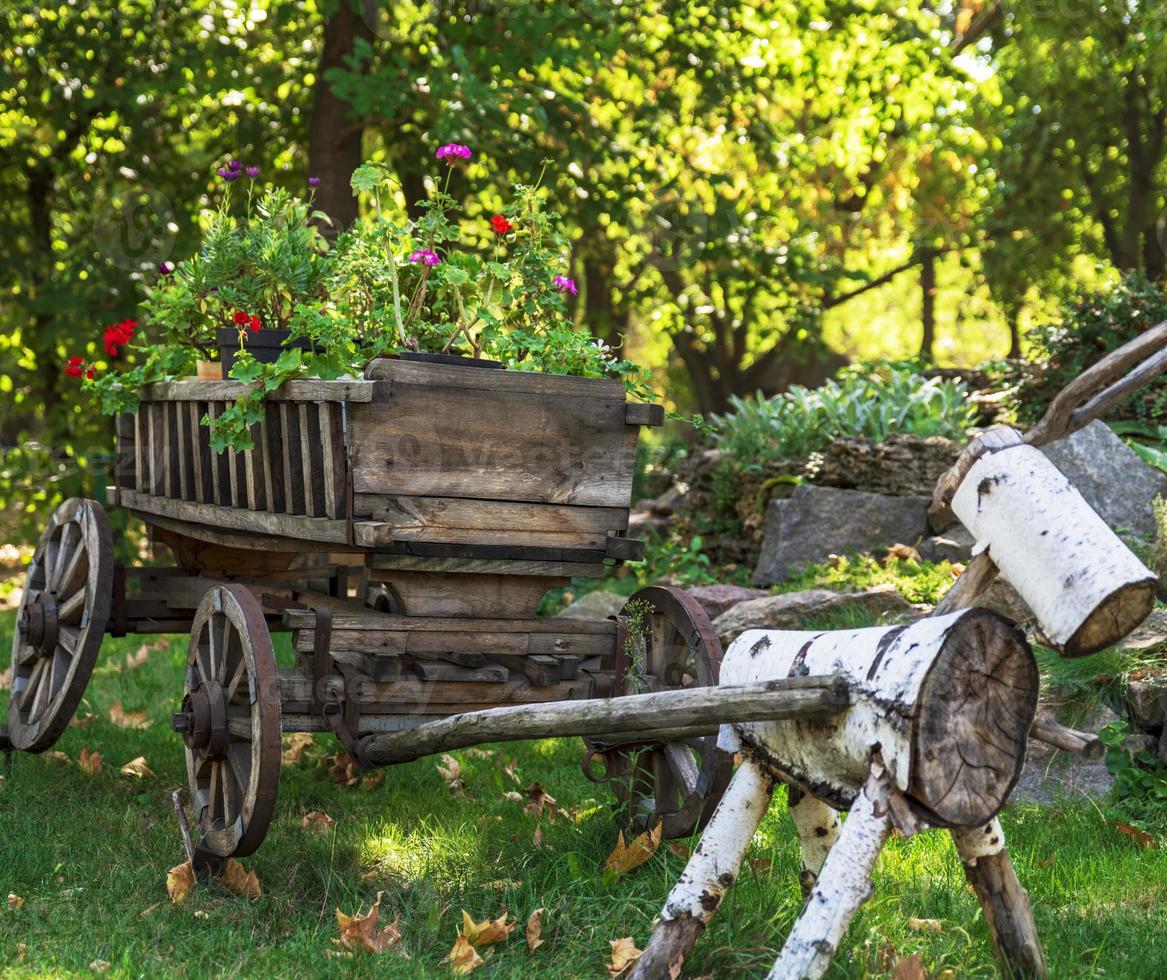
(842, 887)
(817, 826)
(711, 870)
(1005, 903)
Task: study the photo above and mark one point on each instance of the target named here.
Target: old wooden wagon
(404, 528)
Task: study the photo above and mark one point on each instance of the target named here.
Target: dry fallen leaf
(463, 958)
(127, 719)
(910, 968)
(137, 767)
(90, 762)
(625, 857)
(294, 747)
(1140, 837)
(82, 721)
(21, 951)
(905, 551)
(761, 866)
(624, 954)
(5, 678)
(924, 925)
(317, 820)
(485, 932)
(238, 880)
(680, 850)
(344, 770)
(359, 932)
(373, 781)
(137, 659)
(100, 966)
(57, 758)
(510, 770)
(14, 902)
(534, 929)
(451, 772)
(514, 795)
(537, 837)
(502, 884)
(180, 882)
(476, 753)
(540, 800)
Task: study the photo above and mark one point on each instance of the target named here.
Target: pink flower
(452, 152)
(425, 256)
(565, 284)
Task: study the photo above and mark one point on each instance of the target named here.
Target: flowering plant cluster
(448, 282)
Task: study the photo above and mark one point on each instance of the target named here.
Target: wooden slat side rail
(312, 390)
(389, 622)
(291, 526)
(637, 413)
(294, 501)
(417, 518)
(397, 371)
(274, 460)
(125, 457)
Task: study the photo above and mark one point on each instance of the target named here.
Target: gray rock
(1150, 634)
(594, 605)
(797, 610)
(955, 545)
(816, 522)
(1147, 698)
(1050, 774)
(1112, 478)
(718, 599)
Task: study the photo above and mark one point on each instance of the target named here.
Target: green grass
(89, 855)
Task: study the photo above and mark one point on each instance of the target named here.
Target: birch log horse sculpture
(940, 710)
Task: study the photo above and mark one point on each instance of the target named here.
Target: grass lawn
(89, 855)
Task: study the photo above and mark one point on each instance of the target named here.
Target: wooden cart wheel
(230, 722)
(60, 624)
(672, 645)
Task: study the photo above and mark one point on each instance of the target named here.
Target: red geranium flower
(500, 225)
(240, 318)
(74, 369)
(255, 324)
(91, 373)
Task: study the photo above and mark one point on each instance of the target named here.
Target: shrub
(1090, 327)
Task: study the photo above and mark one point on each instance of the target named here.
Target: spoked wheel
(230, 722)
(60, 624)
(671, 645)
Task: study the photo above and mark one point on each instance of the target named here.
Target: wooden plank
(141, 442)
(236, 492)
(539, 670)
(254, 471)
(438, 646)
(361, 622)
(304, 389)
(153, 440)
(273, 462)
(637, 413)
(471, 443)
(258, 522)
(293, 459)
(312, 460)
(624, 549)
(397, 371)
(332, 450)
(487, 566)
(185, 463)
(199, 474)
(436, 670)
(125, 451)
(433, 518)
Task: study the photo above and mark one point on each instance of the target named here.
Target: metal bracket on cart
(342, 713)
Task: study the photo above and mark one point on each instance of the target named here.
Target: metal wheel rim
(692, 773)
(233, 783)
(60, 623)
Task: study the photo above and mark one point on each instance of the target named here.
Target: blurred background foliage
(757, 193)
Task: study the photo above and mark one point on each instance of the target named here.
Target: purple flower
(166, 268)
(227, 174)
(235, 165)
(313, 181)
(451, 152)
(565, 284)
(252, 172)
(426, 256)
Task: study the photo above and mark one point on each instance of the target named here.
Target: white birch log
(947, 701)
(842, 887)
(712, 869)
(1085, 587)
(817, 827)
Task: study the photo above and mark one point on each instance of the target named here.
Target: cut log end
(978, 702)
(1120, 613)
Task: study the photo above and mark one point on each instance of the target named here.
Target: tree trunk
(817, 827)
(928, 299)
(334, 141)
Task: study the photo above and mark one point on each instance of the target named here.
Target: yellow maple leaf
(317, 820)
(137, 767)
(487, 931)
(180, 882)
(127, 719)
(90, 762)
(625, 857)
(294, 747)
(535, 929)
(14, 902)
(236, 879)
(924, 925)
(463, 958)
(359, 933)
(624, 954)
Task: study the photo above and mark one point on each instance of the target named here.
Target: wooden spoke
(61, 621)
(676, 783)
(231, 723)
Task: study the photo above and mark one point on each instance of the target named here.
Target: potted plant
(273, 299)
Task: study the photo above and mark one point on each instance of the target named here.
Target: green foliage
(1090, 326)
(1140, 791)
(863, 402)
(916, 581)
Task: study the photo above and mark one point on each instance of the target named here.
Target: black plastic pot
(458, 360)
(265, 345)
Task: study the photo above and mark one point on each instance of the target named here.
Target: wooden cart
(404, 528)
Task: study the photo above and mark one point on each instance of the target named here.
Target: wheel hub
(203, 720)
(39, 623)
